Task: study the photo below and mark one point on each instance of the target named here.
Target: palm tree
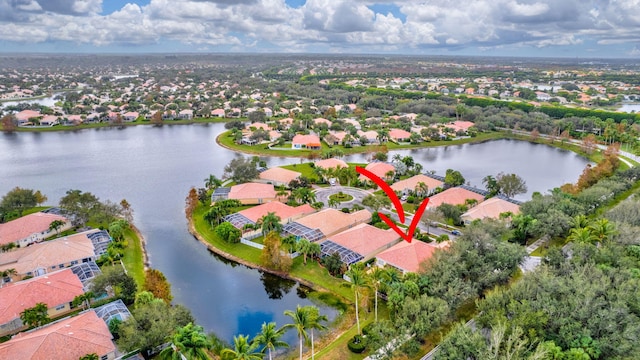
(56, 225)
(282, 193)
(389, 175)
(188, 342)
(269, 337)
(301, 322)
(92, 356)
(581, 235)
(603, 229)
(304, 195)
(377, 277)
(290, 241)
(306, 247)
(421, 189)
(243, 349)
(580, 221)
(212, 182)
(357, 277)
(269, 223)
(315, 323)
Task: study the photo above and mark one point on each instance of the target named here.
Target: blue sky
(563, 28)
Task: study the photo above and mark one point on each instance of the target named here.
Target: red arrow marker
(396, 203)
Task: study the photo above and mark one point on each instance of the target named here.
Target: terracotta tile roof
(279, 175)
(48, 253)
(453, 196)
(365, 239)
(491, 208)
(460, 125)
(379, 169)
(307, 140)
(408, 256)
(284, 211)
(331, 221)
(399, 134)
(252, 191)
(68, 339)
(26, 226)
(52, 289)
(330, 163)
(412, 182)
(322, 121)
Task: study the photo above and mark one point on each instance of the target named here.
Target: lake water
(629, 108)
(154, 167)
(48, 101)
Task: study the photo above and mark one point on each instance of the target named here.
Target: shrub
(345, 210)
(411, 199)
(356, 344)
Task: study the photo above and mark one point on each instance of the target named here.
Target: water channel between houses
(154, 167)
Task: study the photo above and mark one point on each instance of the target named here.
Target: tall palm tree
(356, 274)
(56, 225)
(301, 322)
(269, 223)
(315, 324)
(377, 278)
(304, 195)
(212, 182)
(421, 189)
(189, 342)
(243, 349)
(306, 247)
(269, 337)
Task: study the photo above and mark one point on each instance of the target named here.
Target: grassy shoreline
(111, 125)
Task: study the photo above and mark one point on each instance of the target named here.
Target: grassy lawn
(306, 170)
(242, 251)
(341, 197)
(133, 123)
(132, 258)
(226, 140)
(317, 274)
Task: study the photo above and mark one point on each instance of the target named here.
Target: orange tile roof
(460, 125)
(23, 227)
(252, 191)
(284, 211)
(379, 169)
(52, 289)
(491, 208)
(365, 239)
(399, 134)
(412, 182)
(48, 253)
(408, 256)
(68, 339)
(279, 175)
(307, 140)
(453, 196)
(331, 221)
(330, 163)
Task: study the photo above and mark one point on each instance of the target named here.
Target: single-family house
(279, 176)
(399, 135)
(371, 136)
(253, 214)
(186, 114)
(68, 339)
(415, 184)
(311, 142)
(31, 228)
(460, 125)
(380, 169)
(491, 208)
(359, 243)
(57, 290)
(25, 116)
(252, 193)
(331, 163)
(405, 256)
(130, 116)
(218, 113)
(325, 223)
(320, 121)
(454, 196)
(49, 120)
(45, 257)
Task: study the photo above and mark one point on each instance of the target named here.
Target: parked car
(455, 232)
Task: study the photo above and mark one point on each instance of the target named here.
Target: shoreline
(143, 244)
(284, 275)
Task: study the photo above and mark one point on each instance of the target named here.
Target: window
(60, 266)
(74, 262)
(60, 307)
(104, 357)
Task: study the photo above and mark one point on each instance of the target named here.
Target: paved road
(322, 194)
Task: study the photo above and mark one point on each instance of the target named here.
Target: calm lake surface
(154, 167)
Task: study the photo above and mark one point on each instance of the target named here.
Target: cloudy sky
(566, 28)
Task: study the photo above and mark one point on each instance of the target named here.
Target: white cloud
(336, 25)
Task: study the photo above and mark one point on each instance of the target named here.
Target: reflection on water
(154, 168)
